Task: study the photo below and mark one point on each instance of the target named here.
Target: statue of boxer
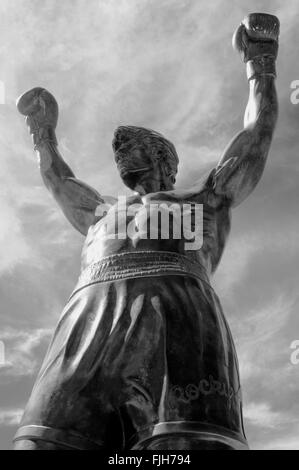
(142, 357)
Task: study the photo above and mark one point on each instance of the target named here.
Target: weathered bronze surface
(142, 357)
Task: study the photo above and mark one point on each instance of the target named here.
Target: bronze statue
(142, 357)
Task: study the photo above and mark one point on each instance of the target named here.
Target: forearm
(259, 121)
(262, 108)
(53, 168)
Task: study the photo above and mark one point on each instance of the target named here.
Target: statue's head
(147, 162)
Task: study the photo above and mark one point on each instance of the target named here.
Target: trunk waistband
(138, 264)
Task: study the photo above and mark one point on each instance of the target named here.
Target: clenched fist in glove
(41, 111)
(257, 41)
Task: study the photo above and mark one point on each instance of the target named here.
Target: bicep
(236, 179)
(241, 167)
(79, 203)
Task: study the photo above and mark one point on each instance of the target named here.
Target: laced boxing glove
(256, 39)
(41, 111)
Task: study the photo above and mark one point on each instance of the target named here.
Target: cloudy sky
(168, 65)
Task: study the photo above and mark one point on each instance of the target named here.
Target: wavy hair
(161, 148)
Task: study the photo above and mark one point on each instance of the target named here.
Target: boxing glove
(256, 39)
(41, 111)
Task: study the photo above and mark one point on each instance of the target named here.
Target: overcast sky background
(168, 65)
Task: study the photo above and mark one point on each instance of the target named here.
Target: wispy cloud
(10, 417)
(21, 351)
(260, 341)
(289, 442)
(261, 415)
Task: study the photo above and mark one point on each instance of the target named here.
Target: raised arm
(243, 161)
(77, 200)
